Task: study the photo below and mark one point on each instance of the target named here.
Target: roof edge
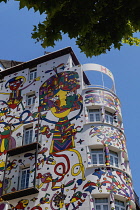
(36, 61)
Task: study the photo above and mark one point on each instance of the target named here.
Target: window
(24, 180)
(94, 115)
(119, 205)
(33, 74)
(97, 156)
(28, 136)
(101, 204)
(109, 118)
(30, 99)
(113, 158)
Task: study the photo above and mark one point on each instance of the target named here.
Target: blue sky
(16, 44)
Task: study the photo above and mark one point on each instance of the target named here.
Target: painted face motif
(59, 94)
(14, 85)
(62, 103)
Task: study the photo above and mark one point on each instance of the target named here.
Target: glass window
(33, 74)
(101, 204)
(109, 118)
(113, 158)
(28, 136)
(30, 100)
(94, 115)
(24, 181)
(97, 156)
(119, 205)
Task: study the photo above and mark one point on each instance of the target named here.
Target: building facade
(62, 142)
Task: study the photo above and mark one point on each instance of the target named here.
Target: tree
(96, 25)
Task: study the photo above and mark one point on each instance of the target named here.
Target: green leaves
(97, 25)
(4, 1)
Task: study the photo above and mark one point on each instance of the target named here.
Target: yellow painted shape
(62, 95)
(80, 164)
(2, 147)
(2, 164)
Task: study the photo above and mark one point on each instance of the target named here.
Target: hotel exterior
(62, 142)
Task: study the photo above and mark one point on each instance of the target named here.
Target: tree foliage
(96, 25)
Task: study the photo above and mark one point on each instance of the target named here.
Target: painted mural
(55, 120)
(108, 135)
(3, 206)
(15, 97)
(59, 94)
(104, 99)
(114, 181)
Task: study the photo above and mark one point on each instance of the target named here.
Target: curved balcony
(96, 96)
(107, 143)
(102, 98)
(109, 183)
(104, 134)
(108, 173)
(104, 76)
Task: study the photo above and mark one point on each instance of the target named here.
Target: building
(137, 201)
(62, 139)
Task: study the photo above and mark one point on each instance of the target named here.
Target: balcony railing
(15, 190)
(13, 187)
(21, 147)
(24, 148)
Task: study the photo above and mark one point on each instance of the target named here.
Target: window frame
(114, 156)
(97, 153)
(94, 113)
(26, 129)
(110, 117)
(31, 97)
(117, 204)
(27, 178)
(101, 204)
(32, 72)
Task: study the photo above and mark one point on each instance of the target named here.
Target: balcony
(29, 141)
(20, 193)
(20, 184)
(99, 77)
(20, 176)
(24, 148)
(102, 116)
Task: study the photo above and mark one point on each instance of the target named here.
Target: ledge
(20, 193)
(97, 166)
(106, 124)
(87, 87)
(24, 148)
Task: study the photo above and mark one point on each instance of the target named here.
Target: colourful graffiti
(115, 182)
(58, 94)
(22, 204)
(2, 206)
(6, 140)
(102, 97)
(59, 169)
(109, 136)
(15, 98)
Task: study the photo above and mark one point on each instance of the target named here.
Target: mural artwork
(55, 121)
(59, 94)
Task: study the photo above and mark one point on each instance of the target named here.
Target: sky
(16, 44)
